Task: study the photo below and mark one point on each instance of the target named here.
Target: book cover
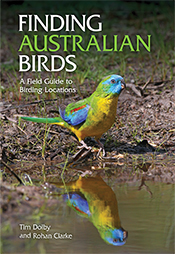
(87, 126)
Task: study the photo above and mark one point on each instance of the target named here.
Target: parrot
(92, 116)
(94, 200)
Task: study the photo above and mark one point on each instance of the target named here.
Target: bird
(92, 116)
(92, 198)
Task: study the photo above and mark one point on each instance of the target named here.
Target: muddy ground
(141, 144)
(144, 131)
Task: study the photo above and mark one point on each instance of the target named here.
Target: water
(148, 219)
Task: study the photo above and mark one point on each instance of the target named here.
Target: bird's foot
(84, 145)
(81, 154)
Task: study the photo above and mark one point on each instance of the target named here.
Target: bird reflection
(94, 199)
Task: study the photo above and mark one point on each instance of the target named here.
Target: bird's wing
(78, 203)
(75, 113)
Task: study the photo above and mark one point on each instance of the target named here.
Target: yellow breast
(100, 118)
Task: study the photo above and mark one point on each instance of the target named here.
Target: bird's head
(116, 237)
(113, 84)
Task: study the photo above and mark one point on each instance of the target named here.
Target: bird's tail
(55, 120)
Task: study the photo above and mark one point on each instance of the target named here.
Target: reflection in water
(94, 199)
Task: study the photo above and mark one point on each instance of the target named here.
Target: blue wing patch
(76, 115)
(78, 203)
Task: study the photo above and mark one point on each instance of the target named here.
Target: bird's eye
(112, 81)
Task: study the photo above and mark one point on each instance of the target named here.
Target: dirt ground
(144, 132)
(141, 144)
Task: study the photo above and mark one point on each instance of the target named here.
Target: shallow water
(148, 218)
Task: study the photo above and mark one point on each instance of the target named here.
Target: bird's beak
(123, 85)
(125, 235)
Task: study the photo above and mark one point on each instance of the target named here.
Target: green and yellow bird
(93, 116)
(93, 199)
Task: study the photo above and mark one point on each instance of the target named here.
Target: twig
(4, 117)
(26, 105)
(22, 130)
(11, 171)
(135, 90)
(145, 85)
(146, 187)
(139, 91)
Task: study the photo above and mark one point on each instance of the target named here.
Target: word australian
(67, 42)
